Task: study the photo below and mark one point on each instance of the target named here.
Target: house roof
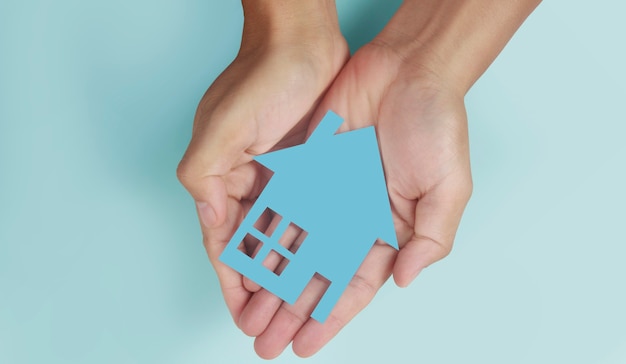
(336, 176)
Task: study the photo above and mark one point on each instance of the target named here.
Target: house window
(293, 237)
(250, 246)
(272, 241)
(275, 262)
(268, 222)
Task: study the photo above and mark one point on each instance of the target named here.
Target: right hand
(262, 101)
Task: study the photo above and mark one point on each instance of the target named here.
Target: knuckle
(363, 287)
(293, 315)
(444, 247)
(181, 172)
(185, 172)
(337, 323)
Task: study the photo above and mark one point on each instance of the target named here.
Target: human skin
(409, 82)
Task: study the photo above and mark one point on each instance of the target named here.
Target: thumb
(437, 217)
(213, 151)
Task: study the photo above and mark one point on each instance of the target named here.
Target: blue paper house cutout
(332, 187)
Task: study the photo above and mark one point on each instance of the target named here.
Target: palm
(423, 140)
(422, 130)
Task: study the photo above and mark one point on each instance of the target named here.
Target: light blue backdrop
(100, 252)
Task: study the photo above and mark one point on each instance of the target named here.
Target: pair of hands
(274, 94)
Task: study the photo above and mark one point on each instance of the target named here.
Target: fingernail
(207, 214)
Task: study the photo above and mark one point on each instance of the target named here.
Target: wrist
(277, 23)
(298, 32)
(452, 42)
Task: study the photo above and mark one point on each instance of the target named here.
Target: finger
(273, 262)
(372, 274)
(247, 181)
(214, 150)
(258, 312)
(215, 239)
(263, 305)
(437, 217)
(266, 224)
(288, 320)
(251, 286)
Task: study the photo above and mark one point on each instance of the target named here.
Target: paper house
(332, 188)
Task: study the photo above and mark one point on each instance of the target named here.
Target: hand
(409, 82)
(421, 123)
(422, 130)
(291, 51)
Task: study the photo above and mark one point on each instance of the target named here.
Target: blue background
(100, 252)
